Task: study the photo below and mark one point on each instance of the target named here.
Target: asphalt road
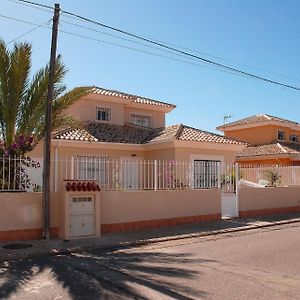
(256, 264)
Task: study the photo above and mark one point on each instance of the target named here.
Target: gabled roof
(256, 119)
(130, 134)
(273, 149)
(134, 98)
(192, 134)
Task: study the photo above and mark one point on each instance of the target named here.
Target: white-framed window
(141, 120)
(103, 114)
(91, 167)
(294, 138)
(280, 135)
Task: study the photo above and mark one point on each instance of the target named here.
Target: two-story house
(272, 140)
(118, 125)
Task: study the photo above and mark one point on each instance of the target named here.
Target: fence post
(219, 165)
(237, 188)
(155, 175)
(72, 167)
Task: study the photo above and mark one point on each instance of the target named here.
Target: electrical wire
(208, 61)
(164, 50)
(37, 5)
(196, 51)
(122, 38)
(165, 46)
(119, 45)
(29, 31)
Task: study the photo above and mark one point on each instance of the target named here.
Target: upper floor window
(294, 138)
(141, 120)
(281, 135)
(103, 114)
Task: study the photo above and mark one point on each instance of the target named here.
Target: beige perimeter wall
(268, 198)
(21, 215)
(20, 211)
(124, 207)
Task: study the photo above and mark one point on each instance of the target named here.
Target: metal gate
(82, 216)
(229, 205)
(229, 190)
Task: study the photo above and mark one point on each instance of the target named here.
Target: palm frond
(23, 100)
(63, 102)
(4, 87)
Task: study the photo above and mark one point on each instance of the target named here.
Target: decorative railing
(133, 174)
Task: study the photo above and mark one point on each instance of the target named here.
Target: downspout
(56, 166)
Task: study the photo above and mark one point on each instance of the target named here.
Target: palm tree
(22, 98)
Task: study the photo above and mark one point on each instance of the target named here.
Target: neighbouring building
(272, 140)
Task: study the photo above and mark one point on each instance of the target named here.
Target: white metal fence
(137, 174)
(272, 175)
(20, 174)
(25, 174)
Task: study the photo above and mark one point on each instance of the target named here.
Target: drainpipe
(56, 166)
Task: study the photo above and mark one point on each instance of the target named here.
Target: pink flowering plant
(170, 179)
(12, 167)
(21, 146)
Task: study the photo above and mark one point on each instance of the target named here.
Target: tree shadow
(111, 274)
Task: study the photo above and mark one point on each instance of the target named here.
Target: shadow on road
(96, 275)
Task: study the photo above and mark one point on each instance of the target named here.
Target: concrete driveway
(261, 263)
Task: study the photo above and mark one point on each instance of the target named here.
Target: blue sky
(256, 34)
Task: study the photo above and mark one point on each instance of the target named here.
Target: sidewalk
(132, 239)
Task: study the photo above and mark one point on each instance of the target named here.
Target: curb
(143, 242)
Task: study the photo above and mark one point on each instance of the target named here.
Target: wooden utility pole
(48, 126)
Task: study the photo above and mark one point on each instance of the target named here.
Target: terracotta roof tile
(81, 186)
(164, 134)
(258, 119)
(192, 134)
(110, 133)
(75, 135)
(271, 149)
(134, 98)
(130, 134)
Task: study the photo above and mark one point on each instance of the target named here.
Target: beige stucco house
(124, 170)
(122, 125)
(149, 174)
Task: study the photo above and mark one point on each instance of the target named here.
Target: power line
(122, 46)
(164, 50)
(184, 48)
(49, 8)
(164, 45)
(232, 61)
(180, 51)
(29, 31)
(30, 3)
(124, 39)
